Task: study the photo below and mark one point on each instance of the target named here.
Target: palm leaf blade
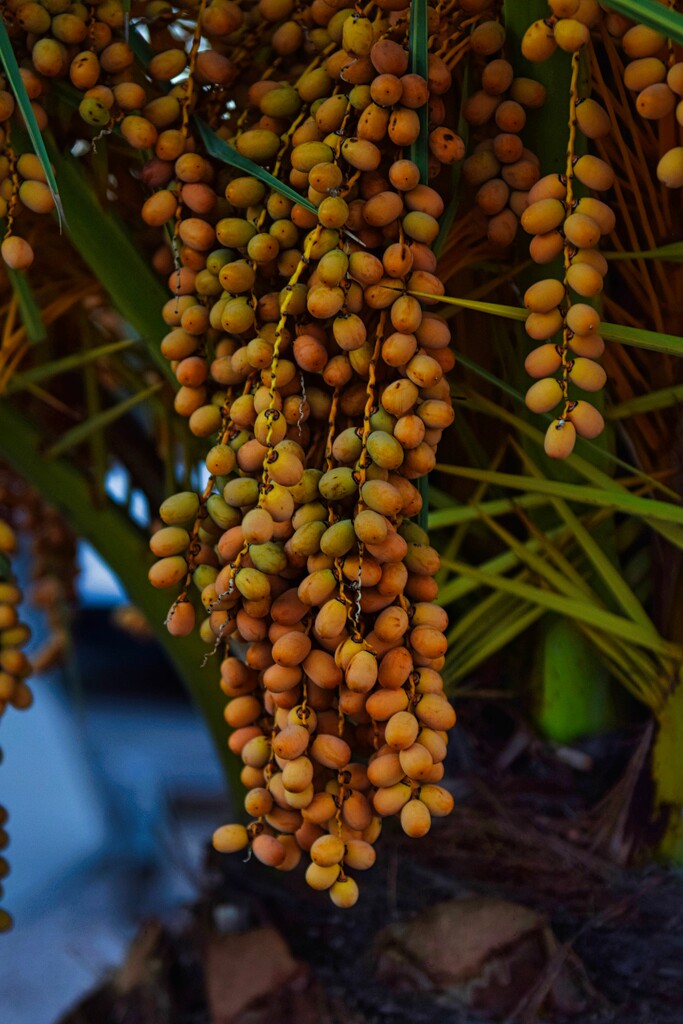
(82, 431)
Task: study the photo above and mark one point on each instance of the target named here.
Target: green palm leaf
(652, 14)
(83, 431)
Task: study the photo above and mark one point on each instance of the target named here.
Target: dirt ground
(554, 831)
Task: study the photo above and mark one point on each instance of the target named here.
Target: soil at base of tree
(547, 829)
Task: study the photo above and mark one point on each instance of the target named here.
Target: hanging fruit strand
(562, 225)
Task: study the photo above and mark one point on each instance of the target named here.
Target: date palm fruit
(584, 280)
(582, 319)
(581, 230)
(541, 326)
(592, 119)
(543, 361)
(344, 892)
(390, 800)
(543, 215)
(180, 508)
(587, 374)
(416, 820)
(94, 112)
(438, 800)
(571, 34)
(267, 849)
(401, 730)
(168, 572)
(544, 296)
(434, 711)
(586, 419)
(560, 439)
(538, 42)
(544, 395)
(327, 851)
(416, 761)
(670, 168)
(17, 252)
(594, 173)
(36, 196)
(306, 349)
(181, 619)
(590, 345)
(321, 877)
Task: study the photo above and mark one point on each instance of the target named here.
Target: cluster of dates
(302, 340)
(564, 226)
(500, 166)
(654, 73)
(569, 226)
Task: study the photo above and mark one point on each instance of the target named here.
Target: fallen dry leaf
(482, 951)
(242, 967)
